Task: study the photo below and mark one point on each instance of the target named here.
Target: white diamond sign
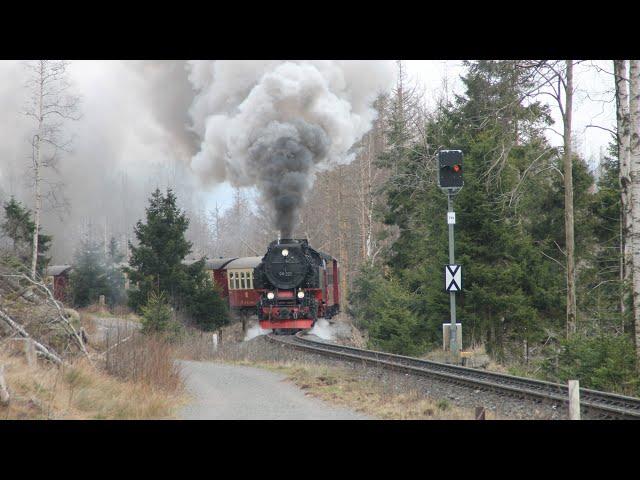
(453, 278)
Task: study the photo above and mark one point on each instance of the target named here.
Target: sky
(593, 102)
(593, 105)
(133, 130)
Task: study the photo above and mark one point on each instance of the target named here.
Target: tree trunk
(634, 118)
(36, 166)
(623, 137)
(568, 203)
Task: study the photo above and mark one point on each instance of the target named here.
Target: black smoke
(284, 157)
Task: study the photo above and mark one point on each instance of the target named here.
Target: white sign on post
(453, 278)
(451, 218)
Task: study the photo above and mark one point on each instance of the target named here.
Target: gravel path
(230, 392)
(502, 406)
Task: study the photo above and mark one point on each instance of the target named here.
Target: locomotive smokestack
(274, 124)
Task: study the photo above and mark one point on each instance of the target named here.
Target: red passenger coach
(242, 295)
(234, 276)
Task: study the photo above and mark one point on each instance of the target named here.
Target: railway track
(594, 404)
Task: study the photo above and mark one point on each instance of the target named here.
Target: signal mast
(450, 182)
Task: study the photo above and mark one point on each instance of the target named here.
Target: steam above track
(274, 124)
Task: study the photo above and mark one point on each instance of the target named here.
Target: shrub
(384, 308)
(157, 315)
(601, 362)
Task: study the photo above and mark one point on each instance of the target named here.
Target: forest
(547, 239)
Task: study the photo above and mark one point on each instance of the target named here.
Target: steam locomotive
(296, 285)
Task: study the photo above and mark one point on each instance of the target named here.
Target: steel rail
(609, 405)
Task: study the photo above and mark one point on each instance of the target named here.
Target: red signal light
(457, 168)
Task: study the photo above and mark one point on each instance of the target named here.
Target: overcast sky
(134, 114)
(593, 104)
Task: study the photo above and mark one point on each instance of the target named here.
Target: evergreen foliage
(94, 274)
(509, 238)
(157, 315)
(156, 265)
(601, 362)
(19, 227)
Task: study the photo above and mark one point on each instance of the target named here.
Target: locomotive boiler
(297, 285)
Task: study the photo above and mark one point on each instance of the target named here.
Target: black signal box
(450, 169)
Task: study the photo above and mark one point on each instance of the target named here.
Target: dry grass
(116, 312)
(198, 345)
(478, 353)
(130, 355)
(343, 387)
(134, 379)
(145, 359)
(79, 391)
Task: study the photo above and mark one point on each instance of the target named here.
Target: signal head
(450, 169)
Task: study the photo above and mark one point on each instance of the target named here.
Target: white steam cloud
(274, 124)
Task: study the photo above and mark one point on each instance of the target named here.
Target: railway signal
(450, 181)
(450, 169)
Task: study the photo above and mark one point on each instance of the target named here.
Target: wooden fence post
(574, 400)
(30, 352)
(4, 392)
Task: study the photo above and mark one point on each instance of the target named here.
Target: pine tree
(19, 227)
(157, 316)
(89, 277)
(156, 265)
(114, 273)
(511, 290)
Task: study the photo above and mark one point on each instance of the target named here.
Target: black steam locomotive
(297, 285)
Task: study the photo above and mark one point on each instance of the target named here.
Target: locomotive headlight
(285, 252)
(300, 294)
(271, 295)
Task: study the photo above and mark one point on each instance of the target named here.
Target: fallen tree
(28, 310)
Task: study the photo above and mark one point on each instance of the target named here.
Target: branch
(601, 128)
(62, 319)
(40, 347)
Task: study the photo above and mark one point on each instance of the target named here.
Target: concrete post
(574, 400)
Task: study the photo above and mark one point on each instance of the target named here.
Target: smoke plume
(274, 124)
(133, 136)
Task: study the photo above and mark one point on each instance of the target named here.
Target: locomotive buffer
(450, 181)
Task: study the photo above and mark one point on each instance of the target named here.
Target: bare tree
(623, 135)
(568, 196)
(634, 118)
(555, 79)
(49, 106)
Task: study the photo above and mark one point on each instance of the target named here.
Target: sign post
(454, 347)
(450, 181)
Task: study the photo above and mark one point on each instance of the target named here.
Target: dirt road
(230, 392)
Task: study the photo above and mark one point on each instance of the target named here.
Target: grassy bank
(133, 377)
(343, 387)
(80, 391)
